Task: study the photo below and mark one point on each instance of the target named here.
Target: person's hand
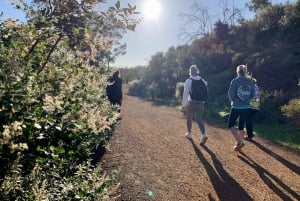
(183, 109)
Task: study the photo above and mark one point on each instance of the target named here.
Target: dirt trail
(156, 162)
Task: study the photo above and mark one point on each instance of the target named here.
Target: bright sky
(160, 28)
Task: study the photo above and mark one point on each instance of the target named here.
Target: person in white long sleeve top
(192, 107)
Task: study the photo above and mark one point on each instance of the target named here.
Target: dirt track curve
(156, 162)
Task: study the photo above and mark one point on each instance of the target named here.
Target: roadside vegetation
(54, 113)
(55, 118)
(268, 44)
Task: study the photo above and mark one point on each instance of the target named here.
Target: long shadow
(288, 164)
(225, 186)
(270, 180)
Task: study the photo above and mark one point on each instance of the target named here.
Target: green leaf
(75, 72)
(40, 149)
(118, 5)
(70, 152)
(60, 150)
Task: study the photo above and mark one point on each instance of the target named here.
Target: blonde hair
(241, 70)
(194, 70)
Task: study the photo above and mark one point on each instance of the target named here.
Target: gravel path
(156, 162)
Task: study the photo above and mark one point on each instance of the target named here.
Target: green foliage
(257, 5)
(179, 91)
(284, 134)
(270, 107)
(53, 107)
(47, 182)
(130, 74)
(153, 91)
(137, 88)
(268, 44)
(292, 111)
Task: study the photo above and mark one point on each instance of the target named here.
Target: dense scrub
(268, 44)
(54, 114)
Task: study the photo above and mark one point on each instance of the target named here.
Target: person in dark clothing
(241, 91)
(255, 105)
(114, 89)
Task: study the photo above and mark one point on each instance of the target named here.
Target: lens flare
(151, 9)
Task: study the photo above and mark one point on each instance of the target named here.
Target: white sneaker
(203, 139)
(188, 135)
(238, 146)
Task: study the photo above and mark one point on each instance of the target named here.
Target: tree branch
(51, 51)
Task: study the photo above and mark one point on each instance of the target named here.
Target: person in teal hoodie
(241, 91)
(255, 107)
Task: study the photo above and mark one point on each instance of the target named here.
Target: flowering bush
(53, 107)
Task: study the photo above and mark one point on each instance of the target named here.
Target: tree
(198, 24)
(258, 5)
(230, 13)
(222, 31)
(120, 50)
(83, 28)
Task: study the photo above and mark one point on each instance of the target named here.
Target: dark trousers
(249, 123)
(238, 113)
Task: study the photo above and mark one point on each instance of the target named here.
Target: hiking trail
(156, 162)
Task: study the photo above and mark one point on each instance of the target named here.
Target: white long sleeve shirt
(187, 87)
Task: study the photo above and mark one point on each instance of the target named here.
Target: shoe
(188, 135)
(248, 138)
(242, 133)
(238, 146)
(203, 140)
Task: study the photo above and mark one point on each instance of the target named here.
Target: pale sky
(152, 36)
(160, 28)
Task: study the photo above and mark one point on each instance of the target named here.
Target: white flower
(38, 126)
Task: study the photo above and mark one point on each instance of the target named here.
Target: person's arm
(253, 91)
(186, 91)
(257, 93)
(120, 94)
(231, 91)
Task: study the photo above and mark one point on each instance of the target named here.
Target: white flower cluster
(12, 131)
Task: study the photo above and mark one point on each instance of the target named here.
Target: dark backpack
(198, 90)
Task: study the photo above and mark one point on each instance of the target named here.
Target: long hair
(194, 70)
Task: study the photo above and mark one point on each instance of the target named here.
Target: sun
(151, 9)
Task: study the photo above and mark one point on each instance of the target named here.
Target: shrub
(54, 112)
(179, 91)
(292, 111)
(45, 182)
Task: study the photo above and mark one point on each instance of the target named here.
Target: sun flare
(151, 9)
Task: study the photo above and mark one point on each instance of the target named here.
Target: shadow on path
(288, 164)
(225, 186)
(270, 180)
